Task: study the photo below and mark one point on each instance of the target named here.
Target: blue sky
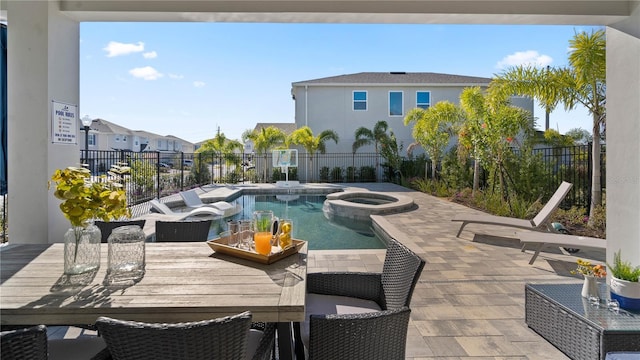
(186, 79)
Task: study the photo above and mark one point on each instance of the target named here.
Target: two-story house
(105, 135)
(346, 102)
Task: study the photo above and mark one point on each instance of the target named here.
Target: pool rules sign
(64, 123)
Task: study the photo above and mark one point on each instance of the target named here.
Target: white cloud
(175, 76)
(146, 73)
(150, 55)
(198, 84)
(115, 48)
(526, 58)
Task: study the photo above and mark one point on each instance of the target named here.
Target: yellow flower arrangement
(587, 269)
(84, 200)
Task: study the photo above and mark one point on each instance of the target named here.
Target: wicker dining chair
(357, 293)
(182, 230)
(24, 344)
(222, 338)
(106, 227)
(366, 336)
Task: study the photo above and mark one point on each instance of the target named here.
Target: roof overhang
(554, 12)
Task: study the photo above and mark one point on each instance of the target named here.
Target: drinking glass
(613, 305)
(234, 229)
(262, 226)
(245, 232)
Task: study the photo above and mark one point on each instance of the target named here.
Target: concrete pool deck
(469, 301)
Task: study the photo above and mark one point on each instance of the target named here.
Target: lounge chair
(538, 223)
(560, 240)
(192, 200)
(164, 209)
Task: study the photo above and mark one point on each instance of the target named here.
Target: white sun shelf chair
(538, 223)
(204, 211)
(192, 200)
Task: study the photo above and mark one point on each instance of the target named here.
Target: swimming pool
(309, 222)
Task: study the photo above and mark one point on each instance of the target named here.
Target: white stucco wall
(44, 67)
(623, 132)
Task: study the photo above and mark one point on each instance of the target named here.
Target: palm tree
(434, 127)
(304, 137)
(265, 139)
(490, 126)
(377, 136)
(583, 82)
(223, 148)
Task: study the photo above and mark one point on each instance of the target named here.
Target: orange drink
(262, 242)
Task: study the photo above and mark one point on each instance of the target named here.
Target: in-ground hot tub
(359, 205)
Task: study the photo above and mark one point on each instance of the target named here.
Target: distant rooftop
(398, 77)
(288, 128)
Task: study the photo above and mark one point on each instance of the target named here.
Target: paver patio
(469, 301)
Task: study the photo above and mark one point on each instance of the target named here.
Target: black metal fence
(573, 164)
(157, 174)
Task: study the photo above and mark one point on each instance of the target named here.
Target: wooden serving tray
(220, 245)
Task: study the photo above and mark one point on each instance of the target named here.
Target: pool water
(309, 222)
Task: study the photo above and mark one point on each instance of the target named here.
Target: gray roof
(105, 126)
(400, 77)
(288, 128)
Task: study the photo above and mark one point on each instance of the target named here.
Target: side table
(580, 330)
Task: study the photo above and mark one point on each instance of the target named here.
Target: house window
(117, 138)
(359, 101)
(124, 138)
(423, 99)
(92, 139)
(395, 103)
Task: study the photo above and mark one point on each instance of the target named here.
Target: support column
(623, 147)
(43, 62)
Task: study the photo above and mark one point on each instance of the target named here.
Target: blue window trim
(355, 101)
(423, 105)
(401, 104)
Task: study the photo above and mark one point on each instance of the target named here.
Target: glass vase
(82, 249)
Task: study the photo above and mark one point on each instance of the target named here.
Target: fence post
(590, 174)
(158, 190)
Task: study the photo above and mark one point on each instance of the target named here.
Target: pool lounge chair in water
(538, 223)
(192, 200)
(164, 209)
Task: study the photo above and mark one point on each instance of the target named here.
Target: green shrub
(455, 173)
(324, 174)
(276, 174)
(351, 174)
(367, 174)
(336, 174)
(414, 167)
(432, 187)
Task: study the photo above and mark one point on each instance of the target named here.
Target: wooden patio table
(184, 281)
